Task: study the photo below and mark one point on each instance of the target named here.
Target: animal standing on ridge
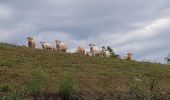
(128, 56)
(80, 50)
(105, 52)
(46, 46)
(94, 50)
(61, 46)
(31, 42)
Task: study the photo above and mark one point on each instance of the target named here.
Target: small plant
(2, 47)
(66, 87)
(5, 63)
(4, 88)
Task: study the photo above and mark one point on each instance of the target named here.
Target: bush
(66, 87)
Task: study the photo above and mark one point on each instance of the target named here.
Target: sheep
(105, 53)
(61, 46)
(46, 46)
(128, 56)
(94, 50)
(80, 50)
(31, 42)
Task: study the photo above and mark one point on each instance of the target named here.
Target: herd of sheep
(62, 47)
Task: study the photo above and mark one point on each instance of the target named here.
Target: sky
(138, 26)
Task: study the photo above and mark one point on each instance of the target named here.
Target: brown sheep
(80, 50)
(31, 42)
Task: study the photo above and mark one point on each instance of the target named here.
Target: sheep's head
(42, 42)
(57, 41)
(29, 38)
(129, 54)
(91, 45)
(103, 48)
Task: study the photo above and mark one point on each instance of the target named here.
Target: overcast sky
(138, 26)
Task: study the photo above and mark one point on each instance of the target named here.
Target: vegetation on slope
(38, 74)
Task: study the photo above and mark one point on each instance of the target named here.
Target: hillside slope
(92, 77)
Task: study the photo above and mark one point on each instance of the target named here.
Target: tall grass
(66, 87)
(36, 81)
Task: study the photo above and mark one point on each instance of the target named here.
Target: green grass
(35, 71)
(6, 63)
(66, 87)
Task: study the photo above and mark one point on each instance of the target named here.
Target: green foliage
(139, 90)
(2, 47)
(12, 97)
(36, 81)
(66, 87)
(4, 88)
(6, 63)
(111, 50)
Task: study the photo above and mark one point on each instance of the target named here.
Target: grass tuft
(6, 63)
(36, 81)
(66, 87)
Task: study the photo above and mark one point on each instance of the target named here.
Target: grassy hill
(37, 74)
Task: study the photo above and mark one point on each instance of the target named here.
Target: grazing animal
(46, 46)
(95, 51)
(128, 56)
(62, 47)
(105, 52)
(88, 53)
(80, 50)
(31, 42)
